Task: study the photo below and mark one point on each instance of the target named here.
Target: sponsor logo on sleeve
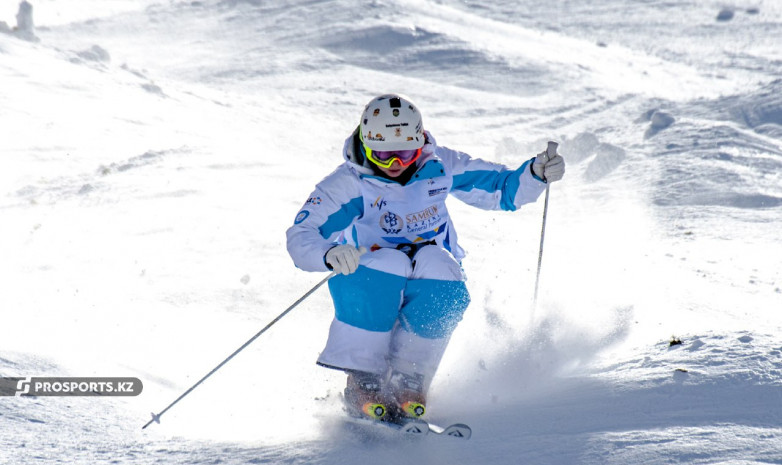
(301, 216)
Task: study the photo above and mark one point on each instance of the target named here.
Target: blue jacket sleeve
(490, 186)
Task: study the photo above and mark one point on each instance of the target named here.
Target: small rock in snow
(681, 374)
(726, 14)
(153, 89)
(659, 120)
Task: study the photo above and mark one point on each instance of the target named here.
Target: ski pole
(156, 417)
(551, 150)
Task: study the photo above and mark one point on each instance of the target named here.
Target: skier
(380, 222)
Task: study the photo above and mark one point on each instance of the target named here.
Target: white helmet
(392, 122)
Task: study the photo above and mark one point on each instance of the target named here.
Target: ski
(417, 427)
(456, 430)
(407, 427)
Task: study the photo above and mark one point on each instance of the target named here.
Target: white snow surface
(153, 153)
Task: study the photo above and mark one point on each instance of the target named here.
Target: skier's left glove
(549, 169)
(343, 258)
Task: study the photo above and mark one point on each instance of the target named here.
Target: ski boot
(363, 396)
(407, 392)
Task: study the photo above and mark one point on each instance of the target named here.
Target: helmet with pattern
(392, 122)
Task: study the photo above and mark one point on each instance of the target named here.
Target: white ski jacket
(354, 206)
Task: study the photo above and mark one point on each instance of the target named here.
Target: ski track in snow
(155, 153)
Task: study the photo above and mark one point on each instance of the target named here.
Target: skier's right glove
(343, 258)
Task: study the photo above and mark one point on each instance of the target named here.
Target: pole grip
(551, 150)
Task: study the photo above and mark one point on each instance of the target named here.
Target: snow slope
(154, 153)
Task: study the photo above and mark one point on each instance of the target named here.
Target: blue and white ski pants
(396, 313)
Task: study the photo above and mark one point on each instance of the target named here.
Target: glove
(343, 258)
(549, 169)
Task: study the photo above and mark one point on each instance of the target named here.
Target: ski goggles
(386, 158)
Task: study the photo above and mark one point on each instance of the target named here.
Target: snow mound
(735, 142)
(433, 55)
(762, 108)
(580, 147)
(609, 157)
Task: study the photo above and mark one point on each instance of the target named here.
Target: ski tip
(458, 431)
(415, 427)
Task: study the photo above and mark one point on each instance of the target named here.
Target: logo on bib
(379, 203)
(391, 223)
(438, 191)
(424, 220)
